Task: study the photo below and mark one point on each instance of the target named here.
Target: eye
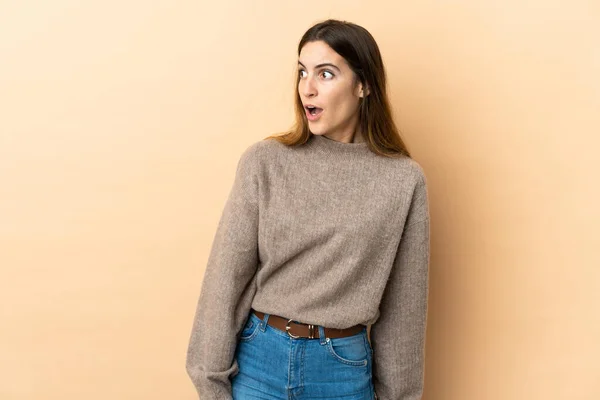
(301, 71)
(328, 72)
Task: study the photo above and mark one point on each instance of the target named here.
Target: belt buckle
(311, 330)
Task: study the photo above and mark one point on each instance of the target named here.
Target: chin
(318, 132)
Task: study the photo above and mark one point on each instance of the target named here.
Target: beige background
(121, 123)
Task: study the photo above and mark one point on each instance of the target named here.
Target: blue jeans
(273, 365)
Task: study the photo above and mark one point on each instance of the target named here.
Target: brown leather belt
(309, 331)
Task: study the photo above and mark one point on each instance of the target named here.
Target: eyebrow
(322, 65)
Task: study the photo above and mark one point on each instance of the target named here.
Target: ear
(363, 91)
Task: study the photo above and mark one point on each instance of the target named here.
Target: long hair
(356, 45)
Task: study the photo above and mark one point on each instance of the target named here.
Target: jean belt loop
(322, 339)
(263, 323)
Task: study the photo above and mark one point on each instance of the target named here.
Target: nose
(308, 88)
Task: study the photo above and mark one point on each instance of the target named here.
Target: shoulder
(409, 172)
(418, 178)
(412, 179)
(251, 162)
(418, 173)
(261, 150)
(256, 155)
(419, 209)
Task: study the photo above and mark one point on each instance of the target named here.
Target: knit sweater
(325, 233)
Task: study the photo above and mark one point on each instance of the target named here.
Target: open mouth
(314, 110)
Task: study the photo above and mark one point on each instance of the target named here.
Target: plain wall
(121, 123)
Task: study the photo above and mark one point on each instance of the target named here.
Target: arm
(398, 335)
(227, 288)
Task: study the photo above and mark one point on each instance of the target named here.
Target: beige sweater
(326, 233)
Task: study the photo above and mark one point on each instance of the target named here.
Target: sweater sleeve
(398, 335)
(227, 288)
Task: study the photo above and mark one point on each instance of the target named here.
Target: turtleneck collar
(334, 145)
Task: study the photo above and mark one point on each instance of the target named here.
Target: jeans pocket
(349, 350)
(250, 329)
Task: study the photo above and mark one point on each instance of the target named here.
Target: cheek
(339, 101)
(344, 107)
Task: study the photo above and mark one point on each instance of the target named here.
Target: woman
(317, 280)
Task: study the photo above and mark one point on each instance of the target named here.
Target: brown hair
(356, 45)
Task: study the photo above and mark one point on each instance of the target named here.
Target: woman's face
(327, 82)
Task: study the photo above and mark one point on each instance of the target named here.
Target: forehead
(319, 52)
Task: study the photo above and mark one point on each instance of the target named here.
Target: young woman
(317, 280)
